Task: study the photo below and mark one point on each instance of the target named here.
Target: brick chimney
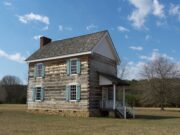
(44, 41)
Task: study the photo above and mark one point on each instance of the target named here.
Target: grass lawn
(14, 120)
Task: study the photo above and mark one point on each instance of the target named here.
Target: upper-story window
(73, 66)
(39, 70)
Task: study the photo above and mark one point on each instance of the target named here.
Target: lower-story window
(73, 92)
(38, 94)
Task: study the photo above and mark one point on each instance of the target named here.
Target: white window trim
(39, 77)
(35, 93)
(75, 100)
(70, 84)
(76, 66)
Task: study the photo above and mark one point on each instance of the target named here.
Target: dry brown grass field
(15, 120)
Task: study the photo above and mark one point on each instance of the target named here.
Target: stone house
(76, 76)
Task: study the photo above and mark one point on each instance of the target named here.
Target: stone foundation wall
(67, 113)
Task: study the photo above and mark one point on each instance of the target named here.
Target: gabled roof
(68, 47)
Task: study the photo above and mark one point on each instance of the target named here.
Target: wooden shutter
(78, 92)
(35, 71)
(43, 70)
(42, 94)
(68, 66)
(78, 66)
(33, 94)
(67, 93)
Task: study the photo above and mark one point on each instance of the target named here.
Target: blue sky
(141, 29)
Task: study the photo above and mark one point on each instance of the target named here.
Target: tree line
(12, 90)
(160, 86)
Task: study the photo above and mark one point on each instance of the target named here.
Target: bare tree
(10, 80)
(3, 95)
(160, 74)
(12, 90)
(123, 70)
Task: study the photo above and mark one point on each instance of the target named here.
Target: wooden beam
(114, 96)
(124, 97)
(124, 101)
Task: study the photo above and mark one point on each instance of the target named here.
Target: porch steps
(120, 114)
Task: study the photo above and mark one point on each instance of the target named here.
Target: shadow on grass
(155, 117)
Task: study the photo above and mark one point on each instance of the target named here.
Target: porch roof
(114, 79)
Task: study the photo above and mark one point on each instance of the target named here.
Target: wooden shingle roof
(80, 44)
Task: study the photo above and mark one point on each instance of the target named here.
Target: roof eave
(60, 57)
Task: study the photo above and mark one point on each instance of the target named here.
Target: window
(73, 66)
(38, 93)
(73, 92)
(39, 70)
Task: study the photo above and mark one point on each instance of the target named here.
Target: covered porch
(113, 95)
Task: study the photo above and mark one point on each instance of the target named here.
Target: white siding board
(105, 49)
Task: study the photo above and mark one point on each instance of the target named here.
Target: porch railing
(108, 104)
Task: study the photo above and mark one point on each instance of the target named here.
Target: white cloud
(34, 17)
(91, 27)
(161, 23)
(147, 37)
(17, 57)
(137, 48)
(126, 36)
(138, 16)
(143, 9)
(155, 55)
(45, 28)
(134, 70)
(158, 9)
(64, 28)
(175, 10)
(122, 29)
(130, 63)
(6, 3)
(37, 37)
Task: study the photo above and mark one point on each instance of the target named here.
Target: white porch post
(124, 97)
(114, 96)
(124, 102)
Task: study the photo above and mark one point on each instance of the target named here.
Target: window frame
(74, 59)
(73, 100)
(76, 84)
(39, 93)
(41, 88)
(41, 75)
